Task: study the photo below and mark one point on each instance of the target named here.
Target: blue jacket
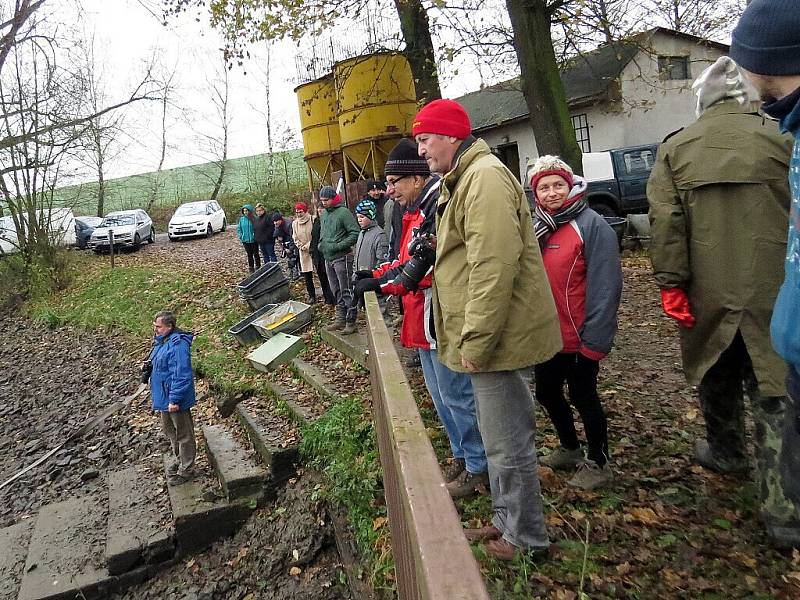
(172, 379)
(785, 326)
(244, 230)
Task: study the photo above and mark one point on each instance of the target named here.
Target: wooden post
(111, 245)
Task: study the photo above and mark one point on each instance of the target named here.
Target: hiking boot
(465, 485)
(453, 469)
(705, 458)
(502, 549)
(349, 329)
(481, 534)
(179, 478)
(564, 459)
(337, 325)
(590, 475)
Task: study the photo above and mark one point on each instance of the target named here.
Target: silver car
(130, 227)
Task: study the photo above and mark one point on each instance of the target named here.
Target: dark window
(580, 123)
(674, 67)
(509, 156)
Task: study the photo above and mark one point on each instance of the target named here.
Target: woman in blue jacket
(247, 235)
(172, 390)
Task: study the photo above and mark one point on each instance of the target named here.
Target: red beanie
(445, 117)
(301, 206)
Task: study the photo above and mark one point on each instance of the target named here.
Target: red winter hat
(301, 206)
(445, 117)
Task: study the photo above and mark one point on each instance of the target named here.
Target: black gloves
(359, 275)
(366, 285)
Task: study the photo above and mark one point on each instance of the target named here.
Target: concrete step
(13, 549)
(355, 346)
(265, 431)
(199, 521)
(239, 475)
(137, 533)
(65, 556)
(314, 377)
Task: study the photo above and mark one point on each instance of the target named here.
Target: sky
(126, 34)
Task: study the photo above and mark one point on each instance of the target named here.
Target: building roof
(586, 79)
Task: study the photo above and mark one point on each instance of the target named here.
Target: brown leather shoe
(487, 532)
(453, 469)
(501, 549)
(466, 484)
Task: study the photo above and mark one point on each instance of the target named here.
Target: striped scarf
(545, 223)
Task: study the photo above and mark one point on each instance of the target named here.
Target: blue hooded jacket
(785, 326)
(245, 229)
(172, 379)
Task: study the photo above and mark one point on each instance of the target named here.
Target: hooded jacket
(371, 248)
(718, 231)
(172, 379)
(244, 230)
(492, 303)
(338, 232)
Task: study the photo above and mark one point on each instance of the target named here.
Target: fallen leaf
(295, 571)
(378, 523)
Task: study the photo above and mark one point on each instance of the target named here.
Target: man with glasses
(410, 182)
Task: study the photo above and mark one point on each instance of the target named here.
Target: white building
(622, 94)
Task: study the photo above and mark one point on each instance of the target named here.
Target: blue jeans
(268, 251)
(455, 403)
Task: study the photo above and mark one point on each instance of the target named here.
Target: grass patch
(342, 445)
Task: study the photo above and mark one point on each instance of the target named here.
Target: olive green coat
(491, 299)
(719, 206)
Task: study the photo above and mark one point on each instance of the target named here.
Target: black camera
(147, 370)
(423, 255)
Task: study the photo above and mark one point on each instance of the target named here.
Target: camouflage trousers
(776, 436)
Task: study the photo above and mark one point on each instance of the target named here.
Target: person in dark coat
(265, 233)
(319, 263)
(376, 192)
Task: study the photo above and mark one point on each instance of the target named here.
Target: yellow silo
(377, 102)
(320, 129)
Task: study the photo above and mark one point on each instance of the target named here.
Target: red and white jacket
(582, 263)
(417, 329)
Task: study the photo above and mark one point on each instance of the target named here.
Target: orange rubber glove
(676, 306)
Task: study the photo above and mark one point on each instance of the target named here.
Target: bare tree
(168, 85)
(703, 18)
(213, 141)
(45, 112)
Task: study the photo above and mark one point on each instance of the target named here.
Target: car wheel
(170, 238)
(209, 230)
(137, 241)
(604, 210)
(152, 238)
(224, 224)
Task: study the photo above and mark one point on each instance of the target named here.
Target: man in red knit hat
(494, 314)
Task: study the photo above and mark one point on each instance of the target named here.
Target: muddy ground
(665, 529)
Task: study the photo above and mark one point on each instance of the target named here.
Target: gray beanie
(327, 192)
(766, 41)
(722, 81)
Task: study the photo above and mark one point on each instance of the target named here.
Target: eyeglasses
(392, 183)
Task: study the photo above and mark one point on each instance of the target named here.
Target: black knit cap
(404, 160)
(375, 185)
(766, 40)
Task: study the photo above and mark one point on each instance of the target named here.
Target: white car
(197, 218)
(130, 227)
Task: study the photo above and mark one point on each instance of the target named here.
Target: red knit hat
(301, 206)
(445, 117)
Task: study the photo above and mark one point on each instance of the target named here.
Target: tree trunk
(419, 49)
(541, 83)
